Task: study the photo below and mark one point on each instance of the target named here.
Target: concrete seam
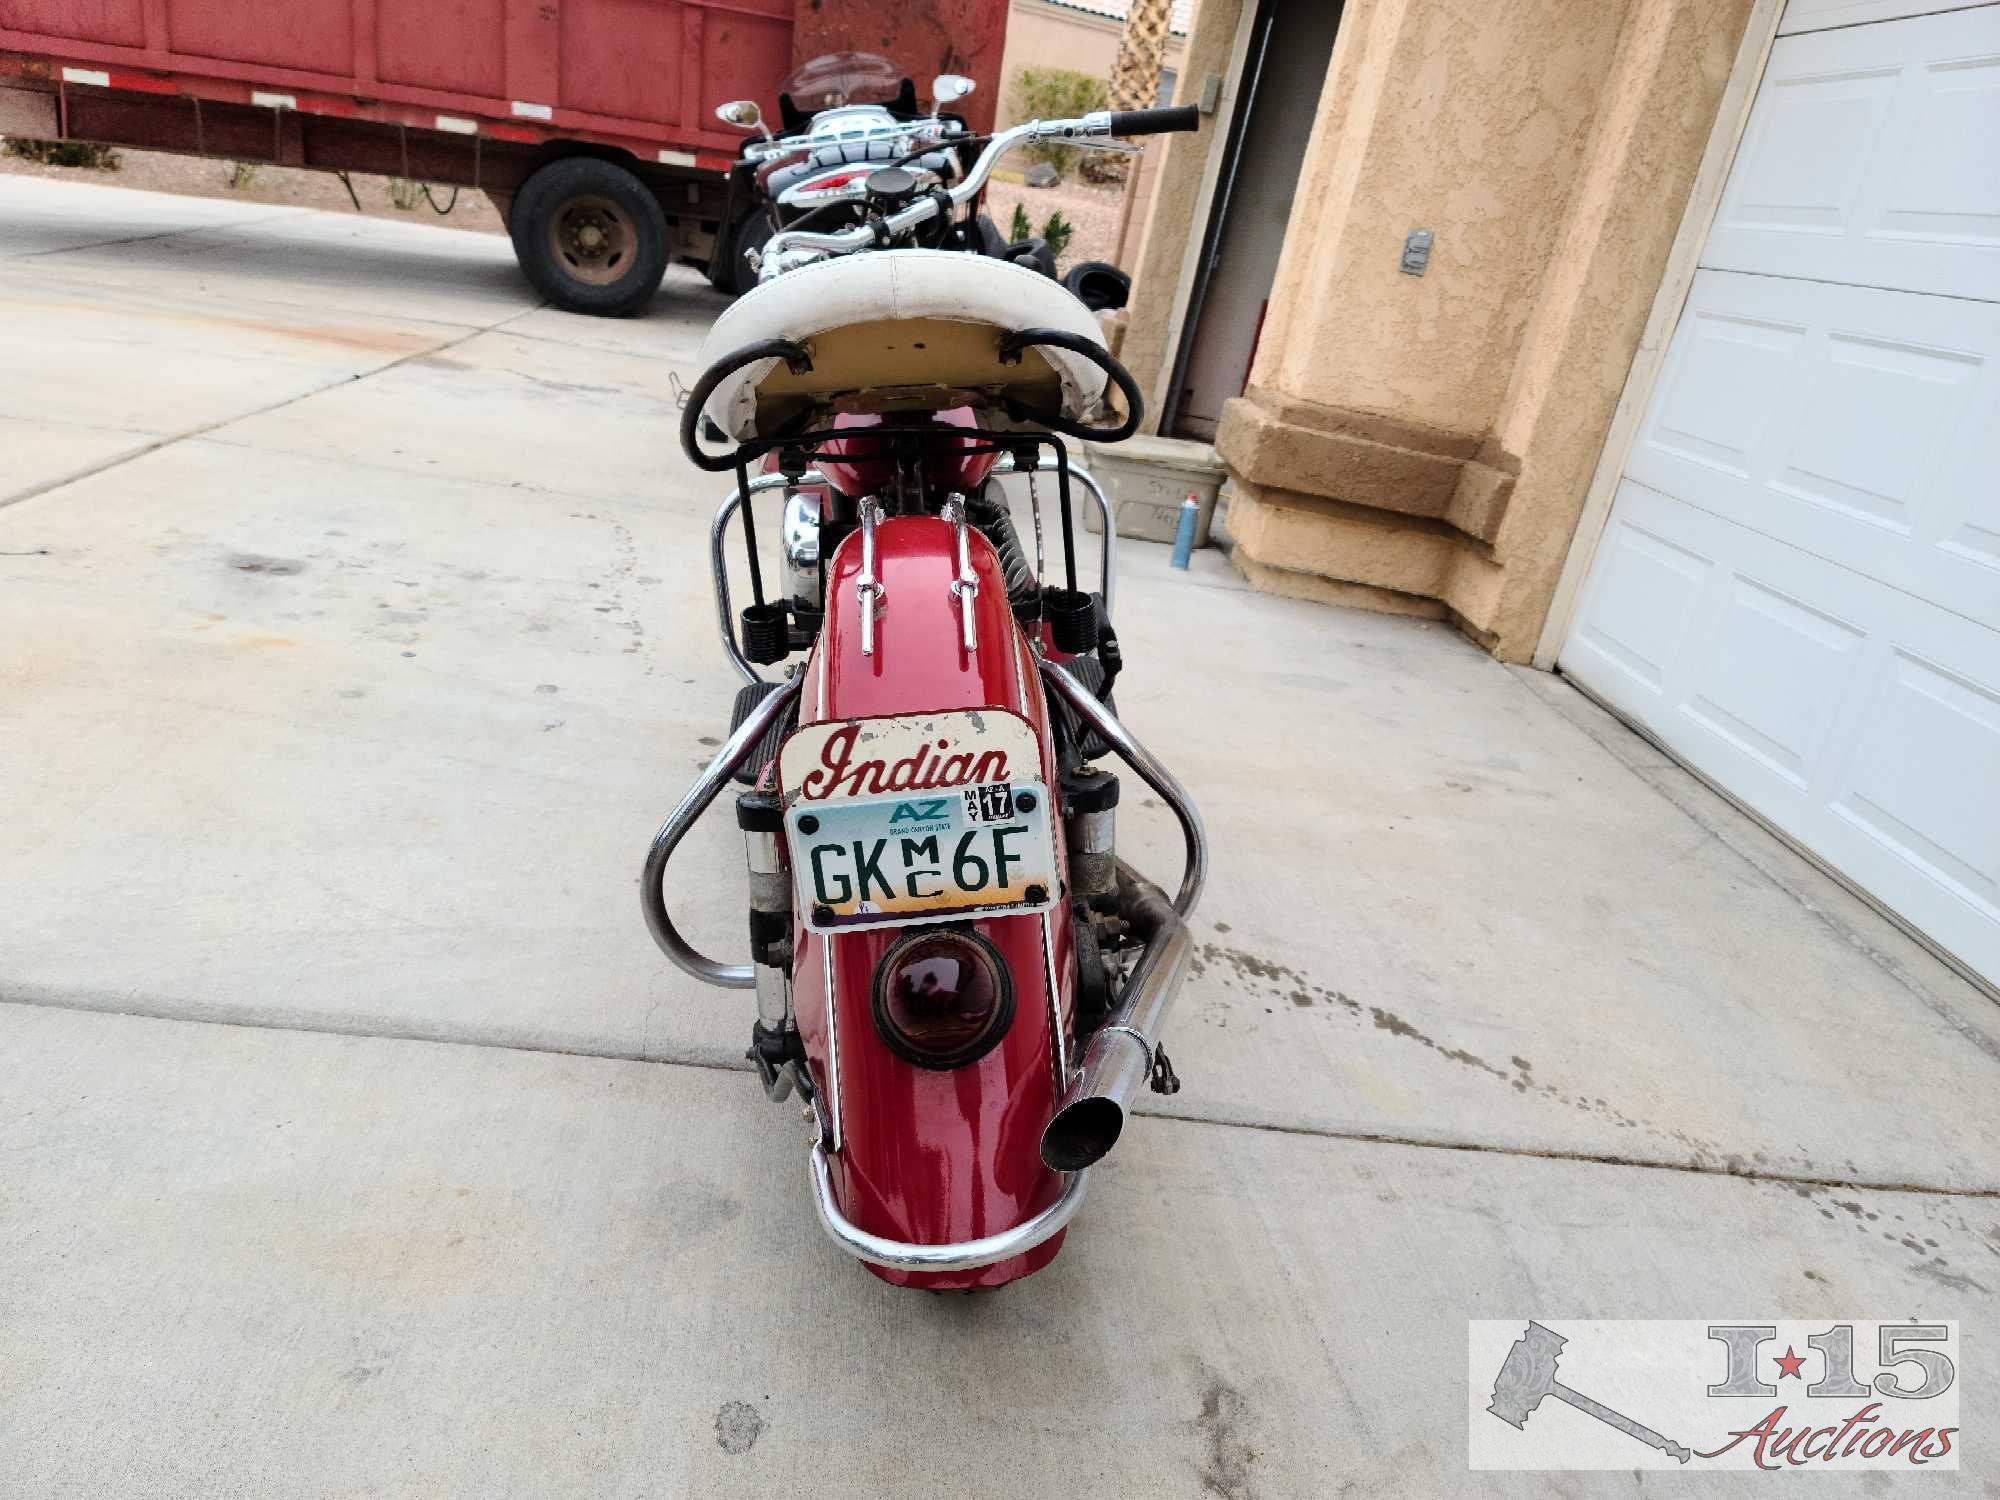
(91, 470)
(724, 1062)
(164, 234)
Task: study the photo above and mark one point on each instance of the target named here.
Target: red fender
(924, 1156)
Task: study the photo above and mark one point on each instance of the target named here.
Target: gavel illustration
(1530, 1374)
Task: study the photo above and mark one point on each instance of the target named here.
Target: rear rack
(737, 500)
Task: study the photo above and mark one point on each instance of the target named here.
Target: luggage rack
(746, 487)
(766, 625)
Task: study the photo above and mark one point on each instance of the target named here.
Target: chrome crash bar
(1193, 836)
(725, 618)
(965, 1255)
(652, 899)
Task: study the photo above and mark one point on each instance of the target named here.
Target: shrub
(1058, 232)
(1020, 229)
(64, 153)
(1057, 93)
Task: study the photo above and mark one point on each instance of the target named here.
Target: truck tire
(590, 236)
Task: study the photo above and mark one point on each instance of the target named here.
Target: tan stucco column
(1424, 443)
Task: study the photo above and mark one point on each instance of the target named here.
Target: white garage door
(1798, 589)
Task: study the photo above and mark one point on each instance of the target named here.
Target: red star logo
(1788, 1363)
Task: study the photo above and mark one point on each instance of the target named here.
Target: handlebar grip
(1155, 121)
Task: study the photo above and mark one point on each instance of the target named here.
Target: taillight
(942, 998)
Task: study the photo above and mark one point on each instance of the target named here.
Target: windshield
(837, 78)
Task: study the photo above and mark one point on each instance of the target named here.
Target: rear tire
(733, 275)
(590, 237)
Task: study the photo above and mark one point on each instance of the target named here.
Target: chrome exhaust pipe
(1120, 1057)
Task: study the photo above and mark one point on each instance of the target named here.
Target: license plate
(921, 819)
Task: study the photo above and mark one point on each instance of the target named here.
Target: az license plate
(923, 856)
(917, 818)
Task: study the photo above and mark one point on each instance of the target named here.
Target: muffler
(1122, 1054)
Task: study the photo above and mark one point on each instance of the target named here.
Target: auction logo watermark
(1822, 1396)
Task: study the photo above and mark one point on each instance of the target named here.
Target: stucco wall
(1467, 117)
(1432, 437)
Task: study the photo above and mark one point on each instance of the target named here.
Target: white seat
(908, 327)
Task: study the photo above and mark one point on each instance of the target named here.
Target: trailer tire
(590, 236)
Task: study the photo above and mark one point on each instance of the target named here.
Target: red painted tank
(924, 1156)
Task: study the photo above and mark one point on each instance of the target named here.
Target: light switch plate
(1416, 252)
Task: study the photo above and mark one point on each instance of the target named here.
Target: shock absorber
(1092, 833)
(773, 1038)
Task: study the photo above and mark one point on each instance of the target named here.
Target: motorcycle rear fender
(920, 1155)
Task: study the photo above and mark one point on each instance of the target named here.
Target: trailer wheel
(590, 236)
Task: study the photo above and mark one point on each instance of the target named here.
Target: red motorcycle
(952, 967)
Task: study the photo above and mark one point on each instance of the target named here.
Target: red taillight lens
(942, 998)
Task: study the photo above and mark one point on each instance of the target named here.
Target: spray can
(1184, 533)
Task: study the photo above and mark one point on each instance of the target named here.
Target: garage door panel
(1862, 386)
(1924, 778)
(1645, 593)
(1798, 587)
(1870, 158)
(1725, 384)
(1861, 722)
(1862, 425)
(1819, 15)
(1772, 675)
(1944, 184)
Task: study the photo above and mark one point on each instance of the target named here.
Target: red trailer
(590, 123)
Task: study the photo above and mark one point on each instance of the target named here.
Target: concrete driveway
(354, 1140)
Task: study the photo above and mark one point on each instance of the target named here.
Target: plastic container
(1146, 479)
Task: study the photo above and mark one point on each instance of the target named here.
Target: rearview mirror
(949, 88)
(743, 114)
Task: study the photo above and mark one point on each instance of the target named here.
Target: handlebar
(790, 248)
(1155, 121)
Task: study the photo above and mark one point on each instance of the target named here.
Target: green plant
(242, 174)
(1020, 229)
(1058, 232)
(64, 153)
(1057, 94)
(405, 194)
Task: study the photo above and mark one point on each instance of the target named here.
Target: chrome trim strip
(1021, 702)
(832, 1042)
(967, 1255)
(1055, 1005)
(652, 900)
